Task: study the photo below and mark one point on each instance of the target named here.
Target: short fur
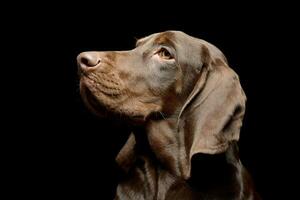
(188, 103)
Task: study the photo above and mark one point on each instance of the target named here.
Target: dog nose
(87, 60)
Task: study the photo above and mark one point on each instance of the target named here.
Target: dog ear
(212, 115)
(127, 155)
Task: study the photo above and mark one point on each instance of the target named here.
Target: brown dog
(187, 101)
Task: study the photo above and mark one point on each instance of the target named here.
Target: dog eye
(164, 54)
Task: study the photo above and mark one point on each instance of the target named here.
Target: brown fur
(187, 106)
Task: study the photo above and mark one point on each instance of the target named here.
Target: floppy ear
(127, 155)
(212, 115)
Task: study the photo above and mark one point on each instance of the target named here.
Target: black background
(58, 149)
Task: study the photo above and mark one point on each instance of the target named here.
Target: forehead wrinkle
(165, 38)
(146, 39)
(143, 40)
(139, 42)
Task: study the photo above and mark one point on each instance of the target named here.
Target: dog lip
(139, 117)
(92, 103)
(90, 82)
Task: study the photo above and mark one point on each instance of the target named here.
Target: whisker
(162, 114)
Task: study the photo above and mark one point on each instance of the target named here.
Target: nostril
(85, 61)
(88, 60)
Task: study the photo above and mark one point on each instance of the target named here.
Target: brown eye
(164, 54)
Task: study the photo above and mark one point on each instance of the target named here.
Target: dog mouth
(109, 102)
(100, 110)
(101, 97)
(107, 86)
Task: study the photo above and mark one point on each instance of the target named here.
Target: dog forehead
(166, 37)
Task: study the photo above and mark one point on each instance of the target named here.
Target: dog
(185, 103)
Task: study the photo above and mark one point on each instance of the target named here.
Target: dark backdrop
(64, 151)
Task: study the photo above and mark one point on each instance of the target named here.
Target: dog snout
(88, 61)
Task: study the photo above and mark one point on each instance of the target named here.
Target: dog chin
(91, 102)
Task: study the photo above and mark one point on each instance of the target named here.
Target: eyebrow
(165, 38)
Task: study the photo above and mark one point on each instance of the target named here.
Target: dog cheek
(179, 81)
(178, 85)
